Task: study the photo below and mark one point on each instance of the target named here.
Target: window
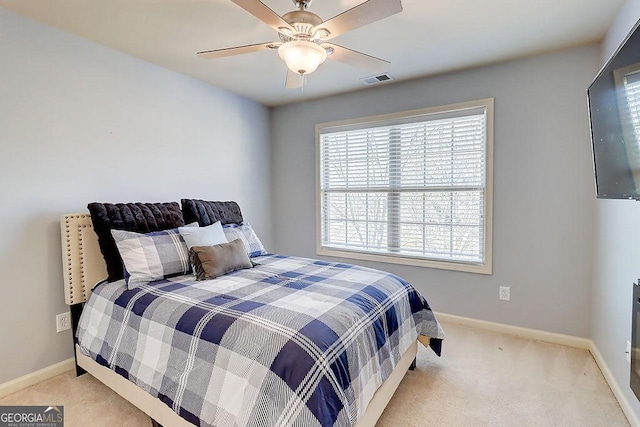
(411, 188)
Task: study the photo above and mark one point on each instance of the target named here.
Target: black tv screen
(614, 111)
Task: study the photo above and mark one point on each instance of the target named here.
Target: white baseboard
(36, 377)
(533, 334)
(554, 338)
(615, 387)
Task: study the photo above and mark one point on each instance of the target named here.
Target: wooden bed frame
(84, 267)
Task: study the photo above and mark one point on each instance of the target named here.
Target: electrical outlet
(505, 293)
(63, 321)
(628, 352)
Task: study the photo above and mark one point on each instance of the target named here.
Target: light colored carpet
(483, 379)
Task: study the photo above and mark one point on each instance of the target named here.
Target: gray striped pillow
(244, 232)
(152, 256)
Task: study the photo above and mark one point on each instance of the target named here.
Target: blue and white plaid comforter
(291, 342)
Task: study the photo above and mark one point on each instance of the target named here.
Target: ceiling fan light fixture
(301, 56)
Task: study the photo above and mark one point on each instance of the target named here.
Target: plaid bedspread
(291, 342)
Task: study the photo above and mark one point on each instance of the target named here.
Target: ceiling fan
(303, 35)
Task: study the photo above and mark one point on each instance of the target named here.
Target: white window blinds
(410, 187)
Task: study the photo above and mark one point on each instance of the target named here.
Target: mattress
(292, 341)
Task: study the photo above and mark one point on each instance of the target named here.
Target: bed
(260, 346)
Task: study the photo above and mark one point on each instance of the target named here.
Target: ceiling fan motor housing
(302, 22)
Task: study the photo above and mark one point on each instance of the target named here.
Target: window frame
(372, 121)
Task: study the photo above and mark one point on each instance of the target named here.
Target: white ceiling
(427, 37)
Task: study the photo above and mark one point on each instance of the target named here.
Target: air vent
(381, 78)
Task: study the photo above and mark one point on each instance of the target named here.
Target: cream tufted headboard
(82, 261)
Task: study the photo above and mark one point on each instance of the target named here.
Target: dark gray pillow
(138, 217)
(217, 260)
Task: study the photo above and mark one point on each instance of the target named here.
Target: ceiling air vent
(381, 78)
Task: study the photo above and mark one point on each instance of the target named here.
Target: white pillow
(203, 236)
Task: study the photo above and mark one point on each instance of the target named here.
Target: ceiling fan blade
(357, 59)
(359, 16)
(265, 14)
(294, 80)
(231, 51)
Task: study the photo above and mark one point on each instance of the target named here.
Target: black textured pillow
(206, 213)
(138, 217)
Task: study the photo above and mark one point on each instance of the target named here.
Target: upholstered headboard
(82, 262)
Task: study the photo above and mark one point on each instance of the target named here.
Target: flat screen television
(614, 112)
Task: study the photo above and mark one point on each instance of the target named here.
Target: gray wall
(616, 256)
(80, 123)
(543, 186)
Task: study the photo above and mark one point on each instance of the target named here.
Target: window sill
(443, 265)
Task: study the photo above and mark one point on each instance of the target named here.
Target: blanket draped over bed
(292, 341)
